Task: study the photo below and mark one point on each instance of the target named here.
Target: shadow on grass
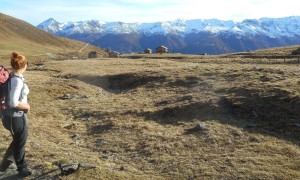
(48, 175)
(270, 111)
(182, 113)
(121, 83)
(100, 128)
(274, 112)
(12, 174)
(189, 81)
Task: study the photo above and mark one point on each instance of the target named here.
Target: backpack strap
(12, 75)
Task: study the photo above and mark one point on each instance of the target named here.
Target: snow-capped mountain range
(182, 35)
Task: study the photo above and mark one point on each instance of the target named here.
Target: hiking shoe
(4, 165)
(13, 166)
(25, 172)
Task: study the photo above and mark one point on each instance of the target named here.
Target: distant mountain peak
(50, 21)
(272, 27)
(262, 33)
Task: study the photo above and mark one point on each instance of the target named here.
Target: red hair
(17, 61)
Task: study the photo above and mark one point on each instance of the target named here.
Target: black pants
(18, 127)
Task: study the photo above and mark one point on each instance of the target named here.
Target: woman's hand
(23, 106)
(28, 109)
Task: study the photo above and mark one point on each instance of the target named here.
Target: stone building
(114, 54)
(162, 49)
(148, 51)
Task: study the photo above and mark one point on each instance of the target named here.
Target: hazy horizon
(167, 20)
(133, 11)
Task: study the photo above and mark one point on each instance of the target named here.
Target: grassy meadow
(164, 117)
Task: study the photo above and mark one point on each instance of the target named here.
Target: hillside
(165, 117)
(197, 36)
(17, 35)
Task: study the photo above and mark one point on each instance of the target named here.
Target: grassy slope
(135, 118)
(17, 35)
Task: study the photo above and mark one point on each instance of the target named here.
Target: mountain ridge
(270, 26)
(251, 34)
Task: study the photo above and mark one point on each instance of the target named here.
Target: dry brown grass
(135, 118)
(17, 35)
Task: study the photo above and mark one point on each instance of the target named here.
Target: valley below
(198, 117)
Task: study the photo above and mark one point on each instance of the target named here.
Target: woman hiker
(15, 120)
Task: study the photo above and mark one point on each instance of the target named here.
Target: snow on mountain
(289, 26)
(119, 28)
(272, 27)
(50, 26)
(195, 36)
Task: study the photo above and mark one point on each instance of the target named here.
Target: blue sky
(37, 11)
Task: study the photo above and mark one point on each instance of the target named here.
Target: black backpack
(4, 89)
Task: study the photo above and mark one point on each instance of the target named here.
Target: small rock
(76, 136)
(66, 96)
(39, 67)
(77, 142)
(84, 97)
(89, 118)
(100, 142)
(199, 127)
(196, 129)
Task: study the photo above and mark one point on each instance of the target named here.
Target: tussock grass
(136, 119)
